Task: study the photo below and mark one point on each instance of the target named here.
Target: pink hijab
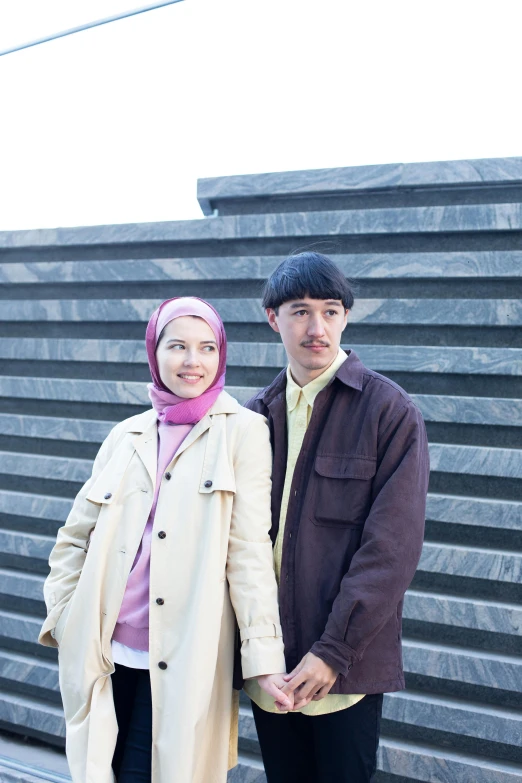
(170, 408)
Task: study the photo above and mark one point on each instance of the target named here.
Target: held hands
(311, 679)
(273, 684)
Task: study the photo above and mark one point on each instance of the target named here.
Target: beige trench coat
(216, 559)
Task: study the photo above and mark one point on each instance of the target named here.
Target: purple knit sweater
(132, 627)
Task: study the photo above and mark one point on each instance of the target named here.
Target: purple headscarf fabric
(170, 408)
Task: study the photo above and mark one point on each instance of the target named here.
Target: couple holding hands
(267, 547)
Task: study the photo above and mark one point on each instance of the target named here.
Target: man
(350, 478)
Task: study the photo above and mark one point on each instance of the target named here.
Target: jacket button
(162, 665)
(107, 495)
(168, 476)
(162, 534)
(208, 484)
(350, 666)
(160, 601)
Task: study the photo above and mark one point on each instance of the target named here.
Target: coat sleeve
(391, 544)
(68, 554)
(250, 568)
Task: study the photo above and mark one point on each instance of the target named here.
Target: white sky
(115, 124)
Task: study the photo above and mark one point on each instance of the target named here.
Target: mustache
(315, 342)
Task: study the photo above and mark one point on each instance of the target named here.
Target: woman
(164, 544)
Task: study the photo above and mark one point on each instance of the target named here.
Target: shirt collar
(312, 389)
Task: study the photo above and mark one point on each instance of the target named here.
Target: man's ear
(272, 318)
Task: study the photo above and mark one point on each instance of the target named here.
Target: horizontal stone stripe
(438, 312)
(481, 512)
(471, 613)
(24, 504)
(53, 428)
(385, 175)
(470, 410)
(20, 627)
(31, 714)
(476, 460)
(29, 545)
(21, 585)
(453, 560)
(460, 718)
(459, 264)
(29, 671)
(123, 392)
(44, 466)
(474, 667)
(404, 220)
(406, 358)
(427, 764)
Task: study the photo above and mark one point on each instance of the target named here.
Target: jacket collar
(351, 373)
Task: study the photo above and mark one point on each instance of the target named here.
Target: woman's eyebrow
(208, 342)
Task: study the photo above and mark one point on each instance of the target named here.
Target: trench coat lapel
(146, 445)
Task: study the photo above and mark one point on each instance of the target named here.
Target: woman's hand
(311, 679)
(273, 684)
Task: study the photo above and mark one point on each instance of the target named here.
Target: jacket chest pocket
(343, 489)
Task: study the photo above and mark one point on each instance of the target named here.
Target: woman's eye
(175, 347)
(209, 348)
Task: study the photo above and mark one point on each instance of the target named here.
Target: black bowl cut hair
(307, 274)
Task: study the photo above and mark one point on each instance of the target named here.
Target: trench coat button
(162, 665)
(168, 476)
(162, 534)
(160, 601)
(107, 495)
(208, 484)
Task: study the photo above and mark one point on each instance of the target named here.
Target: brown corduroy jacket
(354, 526)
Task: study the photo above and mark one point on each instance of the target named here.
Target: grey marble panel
(473, 613)
(481, 512)
(453, 560)
(248, 770)
(25, 544)
(32, 714)
(12, 771)
(410, 220)
(458, 264)
(23, 504)
(430, 765)
(440, 359)
(21, 585)
(476, 460)
(475, 667)
(19, 627)
(337, 180)
(125, 392)
(45, 466)
(470, 410)
(440, 312)
(51, 427)
(454, 717)
(28, 670)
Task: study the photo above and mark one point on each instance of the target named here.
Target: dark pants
(133, 755)
(337, 748)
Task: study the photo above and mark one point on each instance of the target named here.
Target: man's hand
(311, 679)
(273, 684)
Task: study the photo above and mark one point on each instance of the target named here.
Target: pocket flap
(345, 466)
(223, 481)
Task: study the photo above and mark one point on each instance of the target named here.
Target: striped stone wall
(436, 252)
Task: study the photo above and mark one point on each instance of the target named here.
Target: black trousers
(132, 761)
(337, 748)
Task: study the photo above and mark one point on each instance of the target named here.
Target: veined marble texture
(338, 180)
(451, 716)
(30, 545)
(470, 410)
(476, 460)
(482, 512)
(21, 585)
(124, 392)
(19, 627)
(20, 668)
(473, 613)
(453, 264)
(19, 710)
(471, 562)
(441, 766)
(53, 428)
(475, 667)
(408, 358)
(37, 506)
(438, 312)
(45, 466)
(402, 220)
(248, 770)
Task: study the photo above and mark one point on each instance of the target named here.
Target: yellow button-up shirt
(299, 406)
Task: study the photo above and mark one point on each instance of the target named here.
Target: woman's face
(187, 356)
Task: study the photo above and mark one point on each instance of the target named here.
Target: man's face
(311, 332)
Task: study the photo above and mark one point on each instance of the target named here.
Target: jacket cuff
(262, 655)
(335, 653)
